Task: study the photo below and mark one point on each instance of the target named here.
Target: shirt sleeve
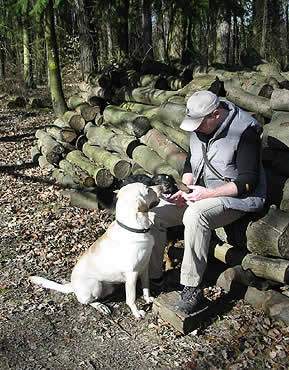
(248, 161)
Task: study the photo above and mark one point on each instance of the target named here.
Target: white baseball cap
(199, 105)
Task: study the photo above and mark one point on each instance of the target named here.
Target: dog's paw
(139, 314)
(148, 299)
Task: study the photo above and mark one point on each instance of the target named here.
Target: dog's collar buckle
(140, 231)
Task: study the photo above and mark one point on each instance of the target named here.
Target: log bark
(271, 302)
(178, 137)
(93, 100)
(82, 199)
(43, 163)
(175, 83)
(35, 154)
(280, 100)
(130, 122)
(60, 123)
(145, 95)
(198, 83)
(152, 162)
(275, 269)
(74, 120)
(237, 275)
(102, 177)
(87, 111)
(269, 236)
(165, 148)
(276, 133)
(248, 101)
(66, 134)
(275, 188)
(106, 138)
(120, 168)
(74, 101)
(49, 147)
(228, 254)
(284, 206)
(177, 99)
(64, 179)
(139, 108)
(172, 114)
(78, 175)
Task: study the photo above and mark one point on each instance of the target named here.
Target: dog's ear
(142, 206)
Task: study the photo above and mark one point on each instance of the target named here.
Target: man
(225, 175)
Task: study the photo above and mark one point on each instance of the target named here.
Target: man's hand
(198, 193)
(178, 199)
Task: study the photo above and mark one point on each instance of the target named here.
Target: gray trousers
(199, 219)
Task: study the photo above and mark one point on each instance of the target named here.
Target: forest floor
(41, 234)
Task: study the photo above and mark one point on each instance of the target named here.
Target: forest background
(38, 38)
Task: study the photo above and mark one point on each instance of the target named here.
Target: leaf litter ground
(42, 234)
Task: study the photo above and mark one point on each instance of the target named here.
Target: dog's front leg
(146, 286)
(130, 291)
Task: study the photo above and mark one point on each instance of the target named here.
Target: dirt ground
(41, 234)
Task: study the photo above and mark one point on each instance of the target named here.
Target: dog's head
(167, 182)
(134, 202)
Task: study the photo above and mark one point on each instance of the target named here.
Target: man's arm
(187, 177)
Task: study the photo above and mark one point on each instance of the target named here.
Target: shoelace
(189, 293)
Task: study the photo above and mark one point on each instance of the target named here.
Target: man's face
(209, 123)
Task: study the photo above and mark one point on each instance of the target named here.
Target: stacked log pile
(123, 123)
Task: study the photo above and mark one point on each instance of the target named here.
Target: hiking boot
(191, 299)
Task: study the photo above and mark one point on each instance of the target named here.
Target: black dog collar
(141, 231)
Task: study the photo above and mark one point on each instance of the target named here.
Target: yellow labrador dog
(120, 255)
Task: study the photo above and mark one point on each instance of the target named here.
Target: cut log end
(103, 178)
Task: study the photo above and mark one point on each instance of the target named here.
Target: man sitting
(226, 178)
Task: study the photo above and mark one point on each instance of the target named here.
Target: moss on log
(120, 168)
(178, 137)
(152, 162)
(102, 177)
(269, 236)
(165, 148)
(106, 138)
(77, 174)
(130, 122)
(145, 95)
(74, 120)
(276, 133)
(275, 269)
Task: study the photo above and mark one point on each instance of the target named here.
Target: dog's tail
(49, 284)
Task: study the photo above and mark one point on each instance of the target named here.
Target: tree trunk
(62, 134)
(267, 268)
(269, 235)
(87, 111)
(228, 254)
(57, 96)
(120, 168)
(49, 147)
(147, 29)
(27, 57)
(88, 60)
